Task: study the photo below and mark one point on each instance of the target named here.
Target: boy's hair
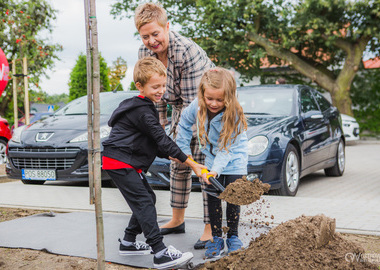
(233, 119)
(146, 67)
(150, 12)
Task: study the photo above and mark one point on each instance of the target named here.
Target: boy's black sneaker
(172, 258)
(137, 248)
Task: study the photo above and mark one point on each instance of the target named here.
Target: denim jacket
(232, 162)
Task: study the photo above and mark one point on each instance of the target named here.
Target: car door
(316, 133)
(332, 114)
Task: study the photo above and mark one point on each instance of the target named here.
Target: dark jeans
(141, 199)
(216, 212)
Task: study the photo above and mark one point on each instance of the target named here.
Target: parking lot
(352, 199)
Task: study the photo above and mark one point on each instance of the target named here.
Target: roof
(372, 63)
(42, 107)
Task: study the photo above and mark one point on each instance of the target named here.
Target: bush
(365, 95)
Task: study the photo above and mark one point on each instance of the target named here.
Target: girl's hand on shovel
(206, 175)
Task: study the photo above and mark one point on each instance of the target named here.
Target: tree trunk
(339, 87)
(341, 98)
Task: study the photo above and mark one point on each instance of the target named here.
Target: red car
(5, 135)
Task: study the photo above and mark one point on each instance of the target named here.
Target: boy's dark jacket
(137, 137)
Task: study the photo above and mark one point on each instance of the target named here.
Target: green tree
(43, 97)
(324, 40)
(133, 87)
(78, 77)
(117, 73)
(21, 25)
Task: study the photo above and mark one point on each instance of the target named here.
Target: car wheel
(33, 182)
(290, 172)
(3, 147)
(340, 163)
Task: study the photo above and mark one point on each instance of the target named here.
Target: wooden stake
(15, 106)
(89, 105)
(92, 43)
(26, 97)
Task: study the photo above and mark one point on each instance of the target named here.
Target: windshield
(266, 101)
(108, 103)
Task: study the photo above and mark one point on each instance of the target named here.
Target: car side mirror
(311, 116)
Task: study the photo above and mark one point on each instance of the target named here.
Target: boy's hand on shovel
(196, 167)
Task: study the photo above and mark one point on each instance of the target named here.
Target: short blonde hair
(146, 67)
(150, 12)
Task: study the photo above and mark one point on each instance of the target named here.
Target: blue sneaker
(233, 244)
(214, 247)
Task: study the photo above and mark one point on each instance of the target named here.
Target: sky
(116, 38)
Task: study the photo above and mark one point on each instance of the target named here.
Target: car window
(108, 103)
(308, 102)
(77, 106)
(324, 104)
(266, 101)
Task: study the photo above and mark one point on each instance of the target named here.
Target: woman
(185, 62)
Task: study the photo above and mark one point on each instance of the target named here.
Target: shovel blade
(212, 192)
(215, 183)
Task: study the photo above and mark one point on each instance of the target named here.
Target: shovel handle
(212, 180)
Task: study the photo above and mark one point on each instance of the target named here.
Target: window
(308, 102)
(324, 104)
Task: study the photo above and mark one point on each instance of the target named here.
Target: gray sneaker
(137, 248)
(172, 258)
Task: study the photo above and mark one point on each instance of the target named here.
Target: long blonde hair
(234, 121)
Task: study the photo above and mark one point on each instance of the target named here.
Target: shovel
(215, 183)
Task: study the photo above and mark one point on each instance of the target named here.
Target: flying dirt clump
(243, 192)
(307, 242)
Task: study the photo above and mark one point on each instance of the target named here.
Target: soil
(307, 242)
(295, 241)
(244, 192)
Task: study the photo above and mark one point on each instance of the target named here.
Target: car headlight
(257, 145)
(16, 136)
(104, 132)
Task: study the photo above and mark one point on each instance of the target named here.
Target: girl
(221, 125)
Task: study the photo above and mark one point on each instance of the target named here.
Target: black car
(292, 130)
(55, 148)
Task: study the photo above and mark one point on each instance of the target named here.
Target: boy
(135, 140)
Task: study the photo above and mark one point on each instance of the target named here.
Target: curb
(363, 141)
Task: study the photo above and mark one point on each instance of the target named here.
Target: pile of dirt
(307, 242)
(243, 192)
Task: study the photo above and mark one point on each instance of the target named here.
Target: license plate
(32, 174)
